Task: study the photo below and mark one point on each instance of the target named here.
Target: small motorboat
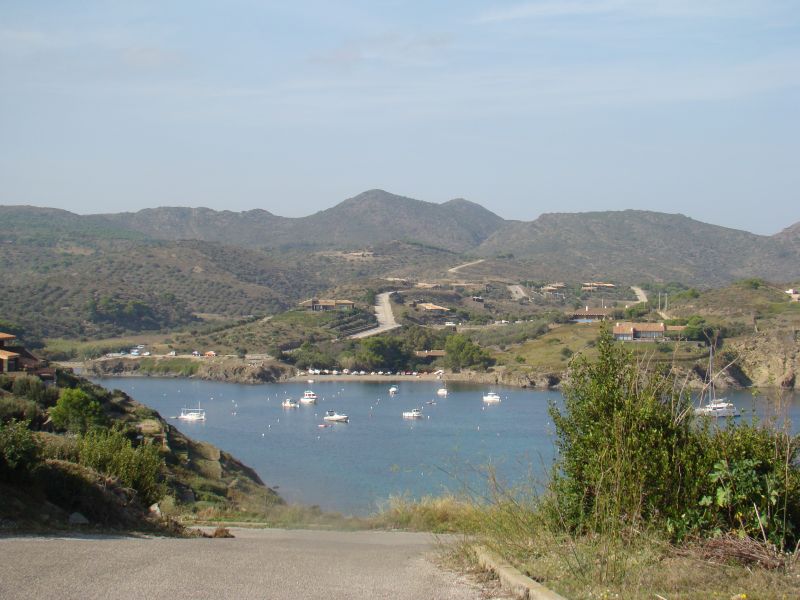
(431, 402)
(309, 397)
(393, 390)
(335, 417)
(192, 414)
(442, 392)
(289, 403)
(414, 413)
(491, 398)
(323, 425)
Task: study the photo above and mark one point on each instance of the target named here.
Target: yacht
(193, 414)
(332, 415)
(491, 397)
(309, 397)
(414, 413)
(715, 407)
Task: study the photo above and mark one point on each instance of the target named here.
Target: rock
(77, 518)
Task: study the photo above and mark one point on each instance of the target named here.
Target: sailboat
(715, 407)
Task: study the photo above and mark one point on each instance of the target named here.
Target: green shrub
(34, 389)
(111, 453)
(19, 452)
(633, 456)
(76, 411)
(21, 409)
(58, 447)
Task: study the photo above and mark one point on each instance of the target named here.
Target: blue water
(354, 467)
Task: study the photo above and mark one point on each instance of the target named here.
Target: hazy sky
(688, 106)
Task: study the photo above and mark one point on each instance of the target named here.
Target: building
(17, 359)
(9, 360)
(322, 304)
(429, 353)
(591, 314)
(433, 309)
(644, 332)
(794, 294)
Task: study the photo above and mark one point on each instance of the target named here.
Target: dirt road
(517, 292)
(383, 311)
(268, 563)
(465, 265)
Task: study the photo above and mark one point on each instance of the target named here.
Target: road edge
(511, 579)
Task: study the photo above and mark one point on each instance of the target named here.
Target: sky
(525, 107)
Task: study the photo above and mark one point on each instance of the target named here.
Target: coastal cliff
(232, 370)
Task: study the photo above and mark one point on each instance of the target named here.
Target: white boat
(193, 414)
(393, 390)
(414, 413)
(715, 407)
(718, 407)
(332, 415)
(309, 397)
(491, 397)
(289, 403)
(442, 391)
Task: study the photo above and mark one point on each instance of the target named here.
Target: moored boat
(414, 413)
(335, 417)
(192, 414)
(491, 397)
(289, 403)
(309, 397)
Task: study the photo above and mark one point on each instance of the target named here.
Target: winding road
(257, 563)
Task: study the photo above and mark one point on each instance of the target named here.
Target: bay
(353, 468)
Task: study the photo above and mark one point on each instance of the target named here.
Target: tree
(461, 352)
(76, 411)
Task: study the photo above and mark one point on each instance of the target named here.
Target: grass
(185, 367)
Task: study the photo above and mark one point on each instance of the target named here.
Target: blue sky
(688, 106)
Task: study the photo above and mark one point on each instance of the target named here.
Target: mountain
(370, 218)
(634, 244)
(377, 216)
(249, 228)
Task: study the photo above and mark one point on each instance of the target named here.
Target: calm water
(354, 467)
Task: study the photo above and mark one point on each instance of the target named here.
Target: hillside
(67, 437)
(635, 244)
(66, 285)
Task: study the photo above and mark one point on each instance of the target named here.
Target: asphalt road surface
(383, 311)
(269, 564)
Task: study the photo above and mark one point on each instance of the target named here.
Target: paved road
(465, 265)
(641, 296)
(272, 564)
(383, 310)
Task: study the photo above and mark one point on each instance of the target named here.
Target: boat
(491, 397)
(289, 403)
(442, 391)
(393, 390)
(715, 407)
(309, 397)
(193, 414)
(414, 413)
(332, 415)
